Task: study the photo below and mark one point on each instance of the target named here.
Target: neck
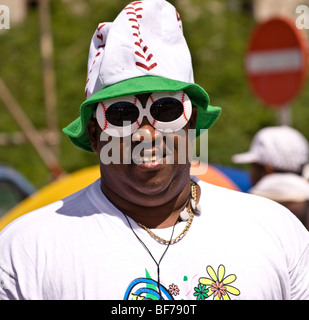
(163, 215)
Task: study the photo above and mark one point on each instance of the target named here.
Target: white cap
(282, 187)
(282, 147)
(146, 39)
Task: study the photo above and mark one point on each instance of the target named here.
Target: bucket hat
(142, 51)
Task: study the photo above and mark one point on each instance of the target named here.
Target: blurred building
(18, 10)
(265, 9)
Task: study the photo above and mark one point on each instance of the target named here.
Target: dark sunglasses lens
(166, 109)
(120, 112)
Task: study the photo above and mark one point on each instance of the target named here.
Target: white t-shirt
(241, 247)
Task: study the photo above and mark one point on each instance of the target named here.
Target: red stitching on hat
(99, 36)
(139, 64)
(149, 57)
(139, 54)
(101, 26)
(178, 19)
(135, 25)
(139, 43)
(152, 66)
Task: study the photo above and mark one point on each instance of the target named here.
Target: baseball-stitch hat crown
(282, 147)
(142, 51)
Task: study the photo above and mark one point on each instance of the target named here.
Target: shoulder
(247, 207)
(248, 210)
(254, 216)
(50, 219)
(240, 202)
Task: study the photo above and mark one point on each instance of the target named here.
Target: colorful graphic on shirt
(149, 289)
(201, 292)
(185, 278)
(217, 285)
(173, 289)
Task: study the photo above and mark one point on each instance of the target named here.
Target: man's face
(165, 166)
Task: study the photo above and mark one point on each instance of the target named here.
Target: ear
(93, 133)
(269, 169)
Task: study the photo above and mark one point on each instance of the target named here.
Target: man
(279, 168)
(146, 229)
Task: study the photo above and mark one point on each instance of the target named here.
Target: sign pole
(284, 116)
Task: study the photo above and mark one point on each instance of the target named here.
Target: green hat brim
(207, 114)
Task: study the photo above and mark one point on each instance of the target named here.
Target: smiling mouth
(150, 157)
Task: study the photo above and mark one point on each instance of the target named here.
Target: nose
(147, 133)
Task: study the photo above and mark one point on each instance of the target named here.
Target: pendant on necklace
(196, 207)
(184, 214)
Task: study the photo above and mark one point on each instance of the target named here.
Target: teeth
(150, 159)
(146, 159)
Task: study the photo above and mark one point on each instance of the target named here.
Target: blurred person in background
(279, 168)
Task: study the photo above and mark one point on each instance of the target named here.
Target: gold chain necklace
(187, 227)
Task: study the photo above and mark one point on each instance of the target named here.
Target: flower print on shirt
(201, 292)
(173, 289)
(217, 284)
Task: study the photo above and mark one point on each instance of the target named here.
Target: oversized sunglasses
(165, 111)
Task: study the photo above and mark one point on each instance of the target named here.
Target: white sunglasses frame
(168, 127)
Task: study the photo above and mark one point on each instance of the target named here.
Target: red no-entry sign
(276, 61)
